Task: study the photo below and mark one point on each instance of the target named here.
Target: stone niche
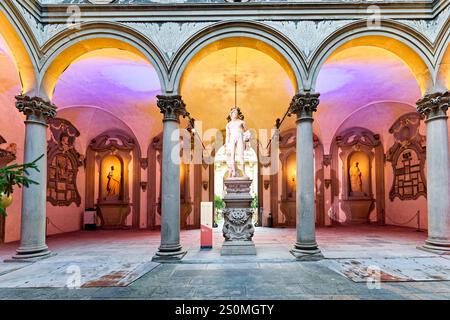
(358, 149)
(108, 170)
(288, 162)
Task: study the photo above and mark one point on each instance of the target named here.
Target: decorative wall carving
(308, 35)
(7, 154)
(407, 156)
(63, 163)
(429, 28)
(169, 36)
(144, 163)
(238, 224)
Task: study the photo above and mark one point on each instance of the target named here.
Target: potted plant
(219, 204)
(14, 176)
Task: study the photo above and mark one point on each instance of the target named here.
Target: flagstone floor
(360, 262)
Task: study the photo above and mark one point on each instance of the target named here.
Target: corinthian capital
(35, 108)
(434, 105)
(304, 104)
(172, 107)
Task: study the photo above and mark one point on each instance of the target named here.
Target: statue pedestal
(238, 227)
(357, 209)
(114, 215)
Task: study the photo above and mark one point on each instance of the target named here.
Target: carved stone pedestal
(357, 209)
(238, 228)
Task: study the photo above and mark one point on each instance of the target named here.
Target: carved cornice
(357, 137)
(434, 105)
(112, 141)
(35, 107)
(304, 105)
(172, 107)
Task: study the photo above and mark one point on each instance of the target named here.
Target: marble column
(34, 198)
(172, 107)
(434, 108)
(303, 105)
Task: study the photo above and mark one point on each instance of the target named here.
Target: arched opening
(410, 57)
(11, 126)
(107, 91)
(14, 46)
(366, 86)
(247, 73)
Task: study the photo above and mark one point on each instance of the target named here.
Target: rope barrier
(55, 226)
(416, 216)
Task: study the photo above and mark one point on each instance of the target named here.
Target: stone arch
(442, 55)
(341, 125)
(413, 49)
(69, 45)
(21, 48)
(442, 76)
(252, 35)
(123, 129)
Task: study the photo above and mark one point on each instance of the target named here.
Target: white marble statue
(237, 137)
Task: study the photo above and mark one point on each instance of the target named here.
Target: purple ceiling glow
(117, 81)
(358, 77)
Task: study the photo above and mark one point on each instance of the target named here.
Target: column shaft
(434, 107)
(303, 105)
(34, 198)
(172, 107)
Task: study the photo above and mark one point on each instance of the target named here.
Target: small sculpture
(355, 178)
(237, 138)
(113, 185)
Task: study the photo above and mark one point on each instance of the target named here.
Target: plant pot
(5, 201)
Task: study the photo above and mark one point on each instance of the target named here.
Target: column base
(168, 254)
(306, 252)
(30, 254)
(436, 246)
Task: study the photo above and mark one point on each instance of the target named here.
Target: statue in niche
(237, 138)
(113, 184)
(355, 178)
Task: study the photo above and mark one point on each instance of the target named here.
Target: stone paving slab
(392, 269)
(59, 272)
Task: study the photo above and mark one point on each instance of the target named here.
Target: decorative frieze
(429, 28)
(308, 35)
(169, 36)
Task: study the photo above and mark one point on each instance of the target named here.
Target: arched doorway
(243, 72)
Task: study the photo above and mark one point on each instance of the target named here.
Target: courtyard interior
(360, 262)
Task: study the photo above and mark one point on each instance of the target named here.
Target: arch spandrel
(64, 50)
(248, 34)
